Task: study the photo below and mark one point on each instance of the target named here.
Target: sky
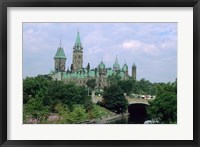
(151, 46)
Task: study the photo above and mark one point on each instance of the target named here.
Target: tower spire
(78, 40)
(116, 60)
(116, 65)
(78, 45)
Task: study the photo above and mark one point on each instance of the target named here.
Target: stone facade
(80, 75)
(60, 60)
(134, 71)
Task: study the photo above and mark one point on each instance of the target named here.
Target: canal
(137, 115)
(128, 119)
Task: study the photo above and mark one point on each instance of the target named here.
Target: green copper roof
(109, 72)
(92, 73)
(64, 76)
(74, 75)
(60, 53)
(78, 45)
(125, 67)
(116, 64)
(102, 65)
(121, 74)
(78, 40)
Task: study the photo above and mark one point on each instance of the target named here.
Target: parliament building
(81, 74)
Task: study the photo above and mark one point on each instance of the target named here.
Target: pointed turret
(60, 59)
(125, 68)
(116, 65)
(60, 54)
(102, 65)
(78, 45)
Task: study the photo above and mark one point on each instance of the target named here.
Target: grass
(104, 111)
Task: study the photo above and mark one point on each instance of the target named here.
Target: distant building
(79, 74)
(134, 71)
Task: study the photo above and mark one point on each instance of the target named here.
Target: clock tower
(77, 54)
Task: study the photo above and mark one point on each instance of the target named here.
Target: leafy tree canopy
(114, 99)
(126, 86)
(91, 83)
(164, 106)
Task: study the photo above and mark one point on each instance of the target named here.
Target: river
(127, 119)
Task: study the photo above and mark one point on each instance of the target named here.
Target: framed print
(110, 73)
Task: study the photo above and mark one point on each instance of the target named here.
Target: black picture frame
(4, 4)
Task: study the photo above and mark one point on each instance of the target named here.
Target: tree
(34, 85)
(164, 107)
(88, 105)
(114, 99)
(78, 114)
(56, 94)
(72, 67)
(95, 72)
(91, 83)
(43, 96)
(36, 110)
(126, 86)
(63, 112)
(88, 68)
(114, 79)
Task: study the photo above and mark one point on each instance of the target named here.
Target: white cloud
(139, 46)
(132, 44)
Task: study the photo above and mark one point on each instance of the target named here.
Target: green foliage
(88, 68)
(63, 113)
(31, 86)
(43, 96)
(126, 86)
(91, 83)
(79, 114)
(114, 99)
(36, 110)
(114, 79)
(164, 106)
(144, 87)
(98, 112)
(68, 94)
(132, 86)
(88, 105)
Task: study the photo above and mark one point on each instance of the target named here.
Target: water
(129, 119)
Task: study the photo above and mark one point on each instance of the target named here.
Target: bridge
(137, 101)
(131, 101)
(137, 107)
